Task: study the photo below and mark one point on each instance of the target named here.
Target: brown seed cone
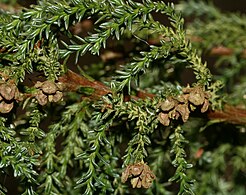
(8, 91)
(168, 104)
(197, 97)
(42, 98)
(57, 97)
(144, 175)
(6, 107)
(49, 87)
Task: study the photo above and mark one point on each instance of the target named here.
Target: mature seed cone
(197, 97)
(57, 97)
(6, 107)
(168, 104)
(132, 170)
(8, 90)
(48, 91)
(182, 105)
(140, 174)
(42, 98)
(49, 87)
(8, 93)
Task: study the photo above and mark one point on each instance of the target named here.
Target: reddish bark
(73, 81)
(229, 114)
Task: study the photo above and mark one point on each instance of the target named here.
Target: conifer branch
(68, 133)
(73, 81)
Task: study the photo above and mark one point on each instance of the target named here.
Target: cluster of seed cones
(181, 106)
(140, 174)
(48, 91)
(9, 93)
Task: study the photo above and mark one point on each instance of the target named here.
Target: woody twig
(73, 81)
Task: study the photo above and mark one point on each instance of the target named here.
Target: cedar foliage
(128, 123)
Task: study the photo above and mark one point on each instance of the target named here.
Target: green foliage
(178, 142)
(129, 116)
(217, 29)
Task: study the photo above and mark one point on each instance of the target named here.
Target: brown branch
(73, 81)
(229, 114)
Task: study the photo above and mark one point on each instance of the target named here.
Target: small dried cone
(57, 97)
(164, 119)
(49, 87)
(144, 175)
(184, 111)
(168, 104)
(8, 91)
(6, 107)
(197, 97)
(42, 99)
